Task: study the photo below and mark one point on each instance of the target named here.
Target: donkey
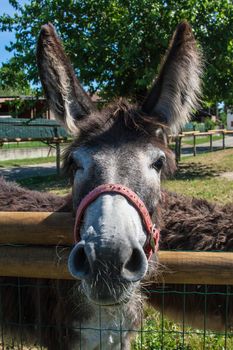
(115, 164)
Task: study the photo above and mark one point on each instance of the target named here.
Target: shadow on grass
(12, 165)
(193, 171)
(200, 149)
(45, 183)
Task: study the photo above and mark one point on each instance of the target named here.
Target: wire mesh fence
(40, 312)
(25, 305)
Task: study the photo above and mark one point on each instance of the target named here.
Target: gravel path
(227, 175)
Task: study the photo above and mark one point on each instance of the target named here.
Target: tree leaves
(116, 46)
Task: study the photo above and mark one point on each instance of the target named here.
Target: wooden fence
(194, 135)
(37, 244)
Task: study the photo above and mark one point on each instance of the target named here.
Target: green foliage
(116, 46)
(13, 80)
(209, 124)
(200, 127)
(159, 333)
(223, 118)
(18, 106)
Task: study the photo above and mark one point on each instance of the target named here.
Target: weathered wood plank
(178, 267)
(44, 228)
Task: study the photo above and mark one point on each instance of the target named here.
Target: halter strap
(152, 242)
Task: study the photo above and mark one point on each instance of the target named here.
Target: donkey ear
(175, 93)
(66, 97)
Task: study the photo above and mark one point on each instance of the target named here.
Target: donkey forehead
(125, 153)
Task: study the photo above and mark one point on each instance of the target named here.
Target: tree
(116, 45)
(13, 80)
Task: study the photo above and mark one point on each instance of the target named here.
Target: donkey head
(122, 144)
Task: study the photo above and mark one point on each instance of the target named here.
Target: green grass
(200, 139)
(28, 161)
(28, 144)
(200, 177)
(50, 183)
(214, 190)
(221, 160)
(174, 337)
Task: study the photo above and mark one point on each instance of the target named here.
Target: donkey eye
(158, 164)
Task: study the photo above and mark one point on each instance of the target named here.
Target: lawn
(27, 161)
(25, 144)
(200, 139)
(203, 176)
(28, 144)
(49, 183)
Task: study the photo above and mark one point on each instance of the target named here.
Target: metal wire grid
(156, 332)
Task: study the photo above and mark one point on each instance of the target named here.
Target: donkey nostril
(135, 267)
(78, 263)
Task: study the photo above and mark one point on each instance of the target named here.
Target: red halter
(152, 242)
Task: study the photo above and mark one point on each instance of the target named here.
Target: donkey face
(123, 144)
(110, 258)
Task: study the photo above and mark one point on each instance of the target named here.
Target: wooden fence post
(179, 144)
(194, 145)
(211, 142)
(178, 140)
(58, 157)
(176, 149)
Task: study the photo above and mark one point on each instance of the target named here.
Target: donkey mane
(120, 114)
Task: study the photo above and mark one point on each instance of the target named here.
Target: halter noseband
(152, 242)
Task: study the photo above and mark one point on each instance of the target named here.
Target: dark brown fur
(16, 198)
(196, 225)
(41, 303)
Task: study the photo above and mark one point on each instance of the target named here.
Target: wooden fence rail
(195, 134)
(38, 244)
(41, 228)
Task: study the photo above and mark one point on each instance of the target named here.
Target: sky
(6, 37)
